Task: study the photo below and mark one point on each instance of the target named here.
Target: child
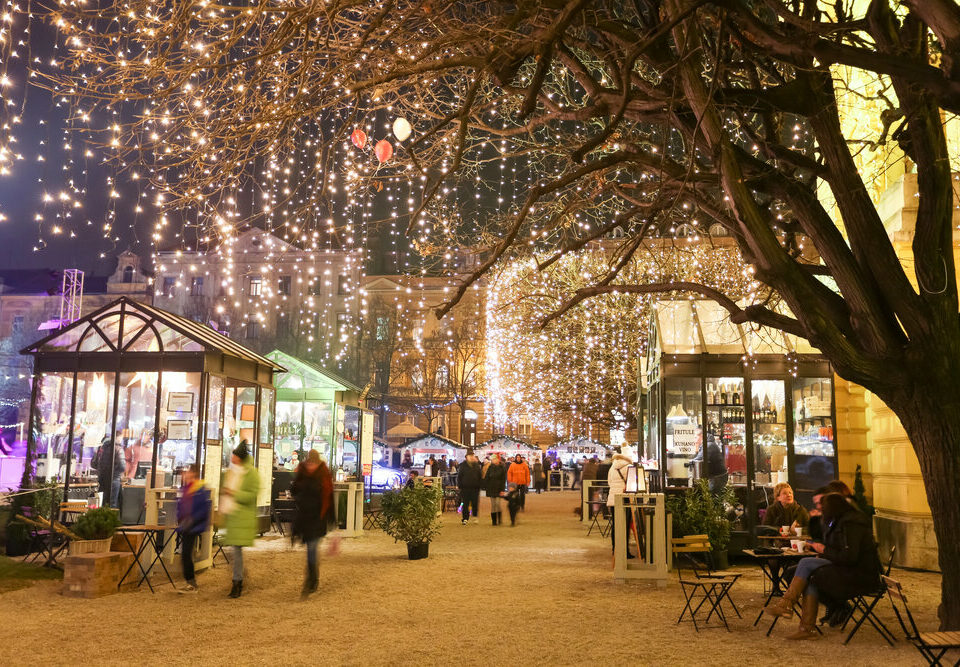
(513, 503)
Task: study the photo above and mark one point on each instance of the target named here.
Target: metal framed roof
(128, 327)
(700, 326)
(311, 374)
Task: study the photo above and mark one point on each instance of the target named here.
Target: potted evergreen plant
(700, 512)
(95, 528)
(411, 514)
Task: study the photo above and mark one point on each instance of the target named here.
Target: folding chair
(703, 588)
(932, 645)
(218, 542)
(600, 518)
(863, 609)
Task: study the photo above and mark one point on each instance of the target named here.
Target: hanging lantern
(383, 150)
(359, 138)
(401, 129)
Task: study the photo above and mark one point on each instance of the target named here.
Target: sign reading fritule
(686, 440)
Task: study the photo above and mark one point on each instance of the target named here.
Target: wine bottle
(723, 394)
(736, 396)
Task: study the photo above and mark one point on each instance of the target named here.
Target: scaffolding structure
(71, 296)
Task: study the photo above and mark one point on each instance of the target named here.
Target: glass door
(814, 449)
(727, 428)
(768, 413)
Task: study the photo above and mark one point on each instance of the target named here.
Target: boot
(310, 582)
(783, 606)
(499, 518)
(493, 518)
(808, 618)
(237, 589)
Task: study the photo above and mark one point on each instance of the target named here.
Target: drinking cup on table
(798, 530)
(797, 545)
(784, 530)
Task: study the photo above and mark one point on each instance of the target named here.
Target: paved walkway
(539, 593)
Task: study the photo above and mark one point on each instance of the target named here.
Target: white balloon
(401, 129)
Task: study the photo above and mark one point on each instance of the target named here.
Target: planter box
(78, 547)
(94, 575)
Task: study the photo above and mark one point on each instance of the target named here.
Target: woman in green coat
(239, 505)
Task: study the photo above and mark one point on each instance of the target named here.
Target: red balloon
(359, 138)
(383, 150)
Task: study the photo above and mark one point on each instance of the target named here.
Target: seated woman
(785, 511)
(848, 566)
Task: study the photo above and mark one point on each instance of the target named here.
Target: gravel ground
(539, 593)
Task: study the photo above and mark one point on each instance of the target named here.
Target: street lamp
(469, 427)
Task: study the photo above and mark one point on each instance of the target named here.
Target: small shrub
(410, 514)
(97, 524)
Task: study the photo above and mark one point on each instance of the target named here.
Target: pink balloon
(359, 138)
(383, 150)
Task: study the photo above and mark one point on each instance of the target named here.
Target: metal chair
(600, 514)
(932, 645)
(863, 609)
(703, 588)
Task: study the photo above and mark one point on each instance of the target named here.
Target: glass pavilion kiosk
(761, 401)
(169, 390)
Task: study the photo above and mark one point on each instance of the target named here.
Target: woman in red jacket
(519, 474)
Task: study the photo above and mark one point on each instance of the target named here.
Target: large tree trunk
(931, 419)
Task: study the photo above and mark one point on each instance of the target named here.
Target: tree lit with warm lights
(538, 127)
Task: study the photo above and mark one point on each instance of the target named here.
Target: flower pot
(78, 547)
(418, 551)
(720, 558)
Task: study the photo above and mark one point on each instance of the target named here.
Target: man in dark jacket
(468, 481)
(193, 518)
(109, 463)
(312, 491)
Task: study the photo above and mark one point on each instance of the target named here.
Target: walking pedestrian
(312, 491)
(617, 481)
(539, 479)
(519, 474)
(193, 518)
(495, 478)
(468, 481)
(239, 504)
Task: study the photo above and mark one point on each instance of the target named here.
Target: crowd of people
(843, 563)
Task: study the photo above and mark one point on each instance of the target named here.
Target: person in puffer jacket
(617, 483)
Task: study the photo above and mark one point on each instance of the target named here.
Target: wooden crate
(120, 544)
(96, 575)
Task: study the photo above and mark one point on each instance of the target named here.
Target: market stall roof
(432, 440)
(503, 441)
(125, 327)
(699, 326)
(404, 429)
(303, 374)
(580, 441)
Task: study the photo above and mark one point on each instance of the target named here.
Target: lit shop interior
(762, 402)
(171, 392)
(316, 409)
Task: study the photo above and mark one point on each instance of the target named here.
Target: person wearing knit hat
(241, 451)
(239, 505)
(312, 491)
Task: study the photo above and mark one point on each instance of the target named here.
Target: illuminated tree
(648, 118)
(581, 370)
